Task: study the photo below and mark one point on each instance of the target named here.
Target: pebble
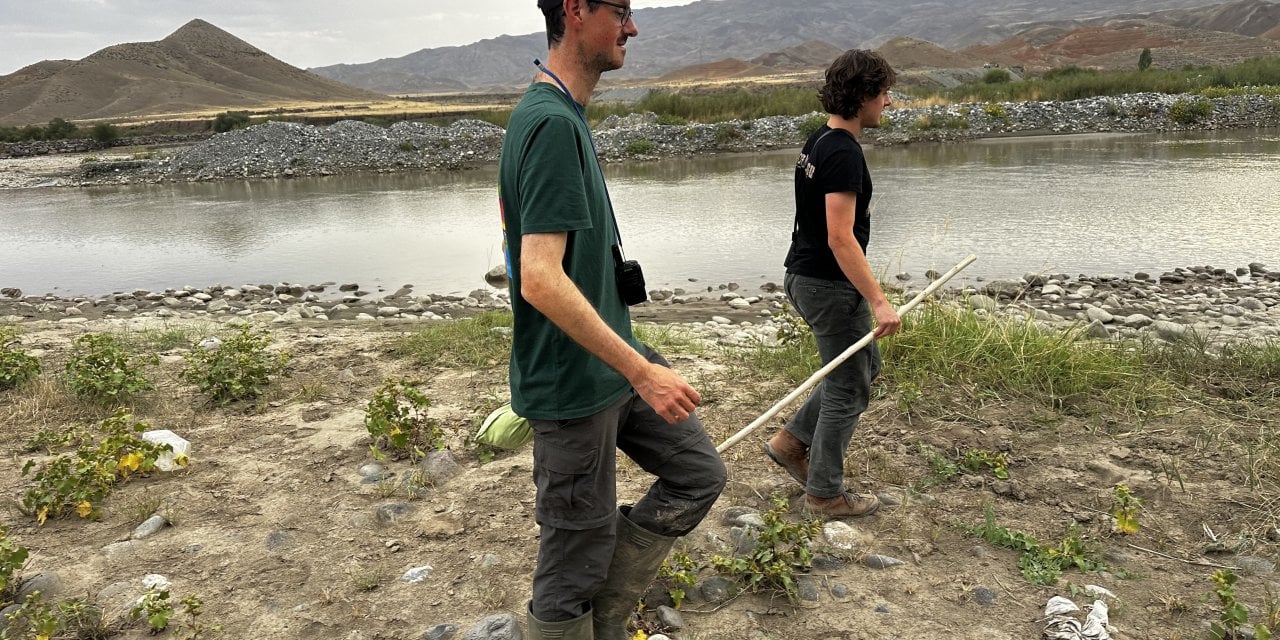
(984, 596)
(670, 618)
(875, 561)
(717, 589)
(440, 466)
(392, 513)
(416, 574)
(149, 527)
(440, 632)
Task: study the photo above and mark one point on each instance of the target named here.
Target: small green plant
(672, 120)
(975, 460)
(1234, 613)
(12, 558)
(811, 124)
(90, 159)
(909, 394)
(1190, 111)
(679, 573)
(1144, 59)
(996, 111)
(942, 467)
(239, 369)
(33, 619)
(996, 76)
(50, 441)
(1124, 508)
(154, 607)
(782, 549)
(104, 133)
(727, 133)
(1040, 564)
(228, 120)
(99, 370)
(396, 418)
(407, 146)
(17, 367)
(81, 481)
(192, 628)
(640, 146)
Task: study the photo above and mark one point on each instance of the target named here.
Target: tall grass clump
(738, 104)
(1236, 370)
(975, 355)
(1260, 75)
(472, 342)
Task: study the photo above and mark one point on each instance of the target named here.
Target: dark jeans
(839, 317)
(574, 468)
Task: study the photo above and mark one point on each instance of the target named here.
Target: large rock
(497, 277)
(985, 303)
(1170, 331)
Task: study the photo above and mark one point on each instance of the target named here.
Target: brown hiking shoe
(789, 453)
(845, 504)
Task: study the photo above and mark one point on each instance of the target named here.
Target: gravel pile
(282, 149)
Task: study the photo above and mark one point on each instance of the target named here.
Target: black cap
(549, 4)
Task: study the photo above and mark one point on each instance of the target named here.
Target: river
(1093, 204)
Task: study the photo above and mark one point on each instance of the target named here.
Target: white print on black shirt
(803, 163)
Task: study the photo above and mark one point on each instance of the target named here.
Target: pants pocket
(566, 481)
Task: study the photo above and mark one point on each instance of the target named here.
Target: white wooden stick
(848, 353)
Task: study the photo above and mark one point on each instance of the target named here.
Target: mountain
(708, 31)
(1212, 35)
(910, 53)
(199, 67)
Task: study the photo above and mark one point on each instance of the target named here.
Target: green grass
(738, 104)
(1261, 75)
(666, 338)
(157, 339)
(463, 343)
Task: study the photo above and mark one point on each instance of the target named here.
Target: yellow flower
(640, 635)
(42, 515)
(130, 462)
(85, 509)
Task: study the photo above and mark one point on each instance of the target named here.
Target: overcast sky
(304, 33)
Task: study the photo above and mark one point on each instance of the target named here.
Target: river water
(1094, 204)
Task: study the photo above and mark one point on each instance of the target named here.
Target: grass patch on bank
(471, 342)
(720, 106)
(1257, 76)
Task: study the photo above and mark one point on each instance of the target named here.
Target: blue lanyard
(594, 154)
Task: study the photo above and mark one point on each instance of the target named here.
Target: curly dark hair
(855, 77)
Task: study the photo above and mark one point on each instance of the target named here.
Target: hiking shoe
(845, 504)
(788, 452)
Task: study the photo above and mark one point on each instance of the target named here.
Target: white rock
(157, 582)
(416, 574)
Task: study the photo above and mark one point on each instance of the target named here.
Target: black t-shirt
(831, 162)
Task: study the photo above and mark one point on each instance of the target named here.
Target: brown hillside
(1247, 17)
(1117, 44)
(718, 70)
(910, 53)
(198, 67)
(810, 55)
(1273, 34)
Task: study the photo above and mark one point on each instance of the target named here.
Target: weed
(192, 628)
(666, 337)
(397, 418)
(975, 460)
(154, 607)
(1190, 111)
(472, 342)
(1124, 508)
(32, 619)
(50, 441)
(365, 579)
(996, 111)
(1234, 614)
(782, 549)
(99, 370)
(1040, 564)
(679, 573)
(141, 508)
(670, 120)
(640, 146)
(407, 146)
(156, 340)
(811, 124)
(12, 558)
(81, 481)
(17, 367)
(239, 369)
(943, 469)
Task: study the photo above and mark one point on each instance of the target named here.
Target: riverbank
(285, 526)
(279, 150)
(1217, 305)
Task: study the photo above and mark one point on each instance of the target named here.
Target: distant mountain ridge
(710, 31)
(197, 67)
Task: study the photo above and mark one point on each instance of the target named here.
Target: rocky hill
(709, 31)
(198, 67)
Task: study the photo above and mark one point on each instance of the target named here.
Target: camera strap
(618, 255)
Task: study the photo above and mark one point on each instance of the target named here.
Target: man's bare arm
(841, 209)
(545, 285)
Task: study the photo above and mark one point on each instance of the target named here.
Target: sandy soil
(274, 530)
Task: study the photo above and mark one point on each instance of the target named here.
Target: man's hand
(667, 393)
(887, 320)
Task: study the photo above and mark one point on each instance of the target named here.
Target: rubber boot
(637, 555)
(578, 628)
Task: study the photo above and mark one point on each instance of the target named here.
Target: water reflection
(1094, 203)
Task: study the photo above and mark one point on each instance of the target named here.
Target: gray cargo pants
(574, 469)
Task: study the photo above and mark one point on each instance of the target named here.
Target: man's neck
(579, 81)
(852, 126)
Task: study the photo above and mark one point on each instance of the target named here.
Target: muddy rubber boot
(578, 628)
(636, 557)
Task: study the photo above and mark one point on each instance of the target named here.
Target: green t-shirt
(549, 181)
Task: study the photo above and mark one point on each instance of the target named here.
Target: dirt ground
(273, 529)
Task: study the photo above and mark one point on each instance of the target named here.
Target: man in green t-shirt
(586, 384)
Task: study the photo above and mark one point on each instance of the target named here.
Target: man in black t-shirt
(830, 283)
